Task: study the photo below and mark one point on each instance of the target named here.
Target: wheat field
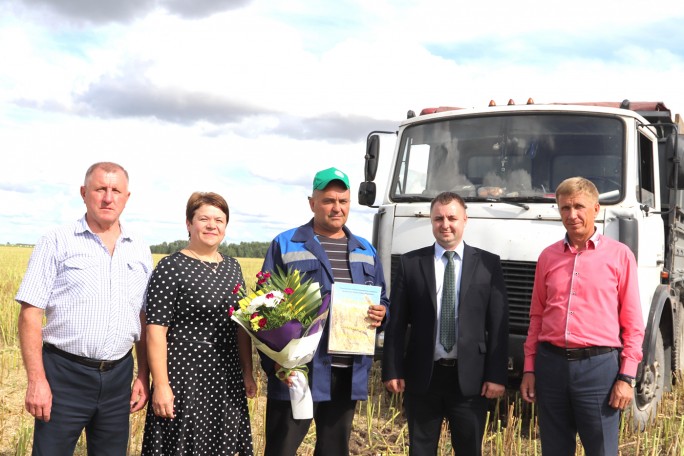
(379, 426)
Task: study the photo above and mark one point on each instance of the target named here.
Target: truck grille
(519, 278)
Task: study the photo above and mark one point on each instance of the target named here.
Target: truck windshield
(516, 157)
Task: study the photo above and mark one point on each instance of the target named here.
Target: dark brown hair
(447, 197)
(199, 199)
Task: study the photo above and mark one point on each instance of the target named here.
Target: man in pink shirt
(586, 329)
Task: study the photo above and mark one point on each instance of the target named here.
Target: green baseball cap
(324, 177)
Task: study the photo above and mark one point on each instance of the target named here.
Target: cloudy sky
(249, 98)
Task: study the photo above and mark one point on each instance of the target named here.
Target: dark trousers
(466, 416)
(572, 398)
(85, 398)
(333, 421)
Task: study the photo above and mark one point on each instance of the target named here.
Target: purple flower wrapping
(276, 339)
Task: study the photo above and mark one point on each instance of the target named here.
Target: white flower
(274, 300)
(270, 299)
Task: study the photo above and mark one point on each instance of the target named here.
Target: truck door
(651, 235)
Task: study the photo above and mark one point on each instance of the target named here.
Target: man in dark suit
(454, 298)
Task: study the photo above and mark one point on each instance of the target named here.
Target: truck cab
(506, 162)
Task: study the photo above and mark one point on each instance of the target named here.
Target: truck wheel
(678, 348)
(649, 390)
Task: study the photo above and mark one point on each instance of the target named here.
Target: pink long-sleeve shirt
(587, 298)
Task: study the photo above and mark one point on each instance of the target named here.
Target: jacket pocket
(368, 273)
(309, 269)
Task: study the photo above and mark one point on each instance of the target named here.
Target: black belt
(101, 365)
(447, 362)
(575, 354)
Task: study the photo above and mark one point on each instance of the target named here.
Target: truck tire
(678, 348)
(649, 390)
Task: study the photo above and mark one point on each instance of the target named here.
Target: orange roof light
(492, 103)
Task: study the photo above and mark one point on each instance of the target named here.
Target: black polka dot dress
(212, 418)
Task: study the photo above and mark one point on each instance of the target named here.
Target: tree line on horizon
(241, 250)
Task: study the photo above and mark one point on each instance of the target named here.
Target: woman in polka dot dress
(201, 362)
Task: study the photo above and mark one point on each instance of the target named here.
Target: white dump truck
(506, 161)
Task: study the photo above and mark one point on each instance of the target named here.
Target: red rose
(261, 281)
(288, 291)
(254, 315)
(259, 274)
(262, 323)
(269, 296)
(236, 290)
(267, 275)
(230, 311)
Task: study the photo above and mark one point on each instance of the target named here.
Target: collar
(592, 243)
(82, 227)
(439, 250)
(306, 232)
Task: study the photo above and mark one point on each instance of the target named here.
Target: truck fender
(660, 297)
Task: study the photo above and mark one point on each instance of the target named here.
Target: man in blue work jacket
(325, 251)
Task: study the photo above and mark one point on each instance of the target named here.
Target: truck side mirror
(372, 157)
(367, 193)
(674, 151)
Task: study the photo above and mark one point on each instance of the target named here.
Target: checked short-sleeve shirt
(92, 300)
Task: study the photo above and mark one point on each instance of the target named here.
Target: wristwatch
(627, 379)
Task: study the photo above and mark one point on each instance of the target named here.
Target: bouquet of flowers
(285, 317)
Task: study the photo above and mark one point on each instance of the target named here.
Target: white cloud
(250, 99)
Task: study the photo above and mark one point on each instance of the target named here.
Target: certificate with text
(350, 329)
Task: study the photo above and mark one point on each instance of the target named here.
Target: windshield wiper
(411, 199)
(514, 202)
(492, 199)
(535, 198)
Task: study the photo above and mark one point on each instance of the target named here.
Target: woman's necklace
(212, 266)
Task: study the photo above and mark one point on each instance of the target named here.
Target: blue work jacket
(299, 249)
